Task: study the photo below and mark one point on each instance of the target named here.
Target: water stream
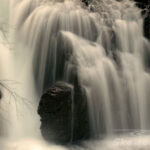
(42, 41)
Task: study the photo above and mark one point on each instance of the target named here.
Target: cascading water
(113, 71)
(43, 41)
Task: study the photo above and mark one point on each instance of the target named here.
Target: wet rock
(86, 2)
(55, 112)
(145, 6)
(147, 25)
(63, 113)
(81, 117)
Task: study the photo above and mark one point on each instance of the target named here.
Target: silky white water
(43, 41)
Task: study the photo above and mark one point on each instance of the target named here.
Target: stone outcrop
(63, 112)
(145, 6)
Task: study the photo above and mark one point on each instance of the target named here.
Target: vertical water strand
(129, 40)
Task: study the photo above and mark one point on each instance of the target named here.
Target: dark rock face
(55, 112)
(147, 26)
(143, 1)
(81, 116)
(145, 6)
(64, 117)
(86, 2)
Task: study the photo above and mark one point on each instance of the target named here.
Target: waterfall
(45, 41)
(113, 71)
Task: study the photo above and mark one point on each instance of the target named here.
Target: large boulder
(63, 112)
